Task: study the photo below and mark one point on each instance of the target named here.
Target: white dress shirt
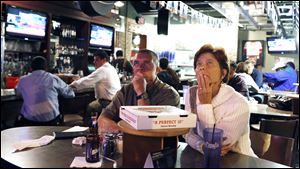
(105, 79)
(249, 80)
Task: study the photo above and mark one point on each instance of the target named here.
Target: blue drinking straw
(212, 139)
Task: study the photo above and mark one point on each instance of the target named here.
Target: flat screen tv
(278, 45)
(25, 23)
(102, 36)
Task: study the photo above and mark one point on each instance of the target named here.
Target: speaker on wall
(163, 21)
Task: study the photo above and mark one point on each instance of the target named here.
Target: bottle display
(67, 48)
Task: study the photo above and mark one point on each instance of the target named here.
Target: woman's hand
(225, 149)
(204, 88)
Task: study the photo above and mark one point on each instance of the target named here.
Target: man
(168, 75)
(237, 82)
(283, 79)
(105, 80)
(255, 73)
(39, 91)
(145, 89)
(122, 64)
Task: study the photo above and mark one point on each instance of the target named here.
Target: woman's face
(208, 65)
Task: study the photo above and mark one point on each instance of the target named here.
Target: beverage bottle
(92, 142)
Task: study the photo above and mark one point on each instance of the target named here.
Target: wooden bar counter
(138, 143)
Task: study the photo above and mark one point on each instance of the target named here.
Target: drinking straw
(212, 139)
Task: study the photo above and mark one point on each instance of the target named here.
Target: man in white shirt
(105, 80)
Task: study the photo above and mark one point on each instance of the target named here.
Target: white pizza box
(157, 117)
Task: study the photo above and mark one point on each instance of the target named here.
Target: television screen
(281, 45)
(25, 23)
(102, 36)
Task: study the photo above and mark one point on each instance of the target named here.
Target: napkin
(80, 162)
(79, 141)
(76, 128)
(33, 143)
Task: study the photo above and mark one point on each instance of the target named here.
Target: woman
(217, 103)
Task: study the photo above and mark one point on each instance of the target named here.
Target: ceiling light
(119, 4)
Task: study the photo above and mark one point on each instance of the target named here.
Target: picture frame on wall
(254, 50)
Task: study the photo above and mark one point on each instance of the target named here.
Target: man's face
(250, 68)
(144, 65)
(98, 62)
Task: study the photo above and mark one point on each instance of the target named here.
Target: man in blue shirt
(39, 91)
(283, 79)
(257, 76)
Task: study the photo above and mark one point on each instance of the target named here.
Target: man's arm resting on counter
(106, 124)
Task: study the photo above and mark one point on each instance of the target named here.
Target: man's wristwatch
(144, 96)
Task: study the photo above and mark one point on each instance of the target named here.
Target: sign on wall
(254, 50)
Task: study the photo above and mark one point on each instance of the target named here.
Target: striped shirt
(229, 111)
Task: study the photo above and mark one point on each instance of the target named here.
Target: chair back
(272, 147)
(286, 128)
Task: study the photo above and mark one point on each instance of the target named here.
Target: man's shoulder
(164, 87)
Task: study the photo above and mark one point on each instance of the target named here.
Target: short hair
(291, 64)
(150, 52)
(241, 68)
(38, 63)
(248, 62)
(101, 54)
(233, 65)
(218, 53)
(164, 63)
(119, 53)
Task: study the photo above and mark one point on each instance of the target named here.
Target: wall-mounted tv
(25, 23)
(278, 45)
(102, 36)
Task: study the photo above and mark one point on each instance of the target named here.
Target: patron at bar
(217, 104)
(283, 79)
(104, 79)
(39, 91)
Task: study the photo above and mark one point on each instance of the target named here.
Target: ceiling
(255, 15)
(279, 17)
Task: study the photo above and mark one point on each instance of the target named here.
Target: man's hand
(139, 83)
(74, 78)
(107, 125)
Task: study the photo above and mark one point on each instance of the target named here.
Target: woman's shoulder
(233, 95)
